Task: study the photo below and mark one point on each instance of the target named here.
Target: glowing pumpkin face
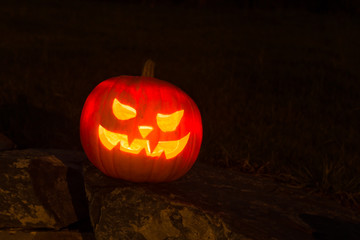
(167, 123)
(140, 129)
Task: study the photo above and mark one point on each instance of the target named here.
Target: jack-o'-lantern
(141, 129)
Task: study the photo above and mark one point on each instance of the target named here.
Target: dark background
(277, 82)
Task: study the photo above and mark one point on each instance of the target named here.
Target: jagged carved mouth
(170, 148)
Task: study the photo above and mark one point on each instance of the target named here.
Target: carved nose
(145, 130)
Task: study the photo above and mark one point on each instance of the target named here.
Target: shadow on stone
(75, 184)
(326, 228)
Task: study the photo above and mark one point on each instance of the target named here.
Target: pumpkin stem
(148, 70)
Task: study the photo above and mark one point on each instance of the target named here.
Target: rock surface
(45, 235)
(210, 203)
(42, 196)
(41, 189)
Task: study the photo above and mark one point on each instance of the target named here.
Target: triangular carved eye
(168, 123)
(122, 111)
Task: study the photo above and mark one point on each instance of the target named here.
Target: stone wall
(59, 194)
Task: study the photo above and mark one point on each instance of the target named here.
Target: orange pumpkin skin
(146, 105)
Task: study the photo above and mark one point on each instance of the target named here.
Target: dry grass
(278, 91)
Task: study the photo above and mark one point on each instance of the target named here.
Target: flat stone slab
(213, 203)
(41, 189)
(45, 235)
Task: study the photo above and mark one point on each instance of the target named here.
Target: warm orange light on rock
(141, 129)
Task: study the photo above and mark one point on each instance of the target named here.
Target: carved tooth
(170, 148)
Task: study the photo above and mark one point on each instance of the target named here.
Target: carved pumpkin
(140, 129)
